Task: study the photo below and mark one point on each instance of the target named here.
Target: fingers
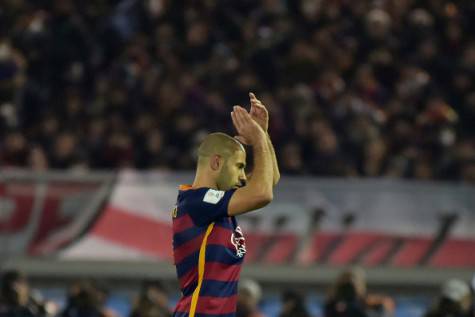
(239, 117)
(253, 99)
(255, 102)
(236, 123)
(242, 115)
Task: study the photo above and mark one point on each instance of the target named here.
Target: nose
(242, 180)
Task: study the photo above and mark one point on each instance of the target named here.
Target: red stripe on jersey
(183, 304)
(221, 272)
(216, 305)
(182, 223)
(188, 248)
(217, 235)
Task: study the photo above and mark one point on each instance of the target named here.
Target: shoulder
(213, 196)
(202, 196)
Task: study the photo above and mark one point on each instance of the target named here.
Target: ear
(215, 162)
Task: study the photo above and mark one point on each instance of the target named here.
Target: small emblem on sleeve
(213, 196)
(174, 212)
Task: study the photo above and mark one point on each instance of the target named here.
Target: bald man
(208, 244)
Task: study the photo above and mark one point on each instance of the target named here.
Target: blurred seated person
(85, 299)
(16, 298)
(152, 301)
(455, 300)
(348, 298)
(249, 296)
(293, 305)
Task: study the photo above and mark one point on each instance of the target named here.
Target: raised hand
(259, 112)
(248, 129)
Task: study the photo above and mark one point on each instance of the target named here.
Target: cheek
(225, 174)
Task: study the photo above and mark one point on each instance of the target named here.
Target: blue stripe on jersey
(212, 288)
(220, 253)
(187, 264)
(186, 235)
(179, 213)
(214, 253)
(225, 224)
(218, 289)
(188, 291)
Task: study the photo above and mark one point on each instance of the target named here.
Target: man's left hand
(259, 112)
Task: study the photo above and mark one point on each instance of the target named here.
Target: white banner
(137, 217)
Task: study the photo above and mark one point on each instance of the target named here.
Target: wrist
(260, 140)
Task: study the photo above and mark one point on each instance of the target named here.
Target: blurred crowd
(354, 88)
(348, 297)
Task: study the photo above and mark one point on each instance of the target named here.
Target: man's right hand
(258, 191)
(246, 127)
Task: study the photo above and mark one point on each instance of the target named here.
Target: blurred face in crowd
(291, 157)
(22, 290)
(16, 290)
(15, 142)
(65, 145)
(157, 296)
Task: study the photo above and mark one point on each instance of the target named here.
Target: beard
(224, 180)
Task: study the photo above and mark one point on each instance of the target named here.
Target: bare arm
(260, 114)
(258, 191)
(275, 165)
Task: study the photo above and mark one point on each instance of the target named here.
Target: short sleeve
(206, 205)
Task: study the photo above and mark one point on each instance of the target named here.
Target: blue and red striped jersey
(208, 250)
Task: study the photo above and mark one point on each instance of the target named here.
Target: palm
(259, 114)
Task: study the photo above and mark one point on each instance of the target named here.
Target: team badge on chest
(237, 239)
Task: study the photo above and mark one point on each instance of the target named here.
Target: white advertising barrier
(40, 212)
(136, 222)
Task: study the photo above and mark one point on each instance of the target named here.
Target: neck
(203, 180)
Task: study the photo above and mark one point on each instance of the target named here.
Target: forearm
(275, 165)
(262, 174)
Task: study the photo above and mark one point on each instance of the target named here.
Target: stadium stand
(126, 84)
(102, 104)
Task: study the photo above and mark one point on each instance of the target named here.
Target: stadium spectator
(293, 305)
(348, 297)
(85, 298)
(249, 296)
(16, 298)
(355, 88)
(152, 301)
(455, 300)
